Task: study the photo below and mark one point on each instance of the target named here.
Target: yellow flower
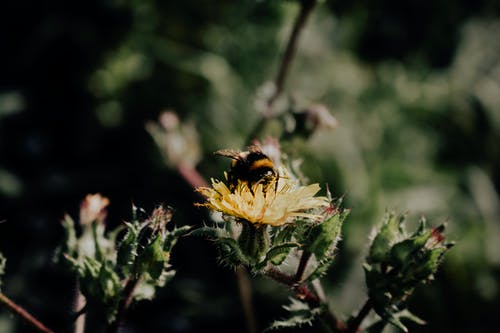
(274, 203)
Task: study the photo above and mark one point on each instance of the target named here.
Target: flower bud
(93, 209)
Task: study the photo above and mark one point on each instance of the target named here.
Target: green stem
(16, 309)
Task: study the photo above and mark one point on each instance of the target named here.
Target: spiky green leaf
(323, 237)
(152, 260)
(127, 249)
(300, 315)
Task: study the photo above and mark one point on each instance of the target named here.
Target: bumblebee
(251, 167)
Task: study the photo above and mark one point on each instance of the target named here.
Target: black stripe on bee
(252, 166)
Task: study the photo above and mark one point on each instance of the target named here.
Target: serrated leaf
(323, 237)
(127, 249)
(325, 255)
(300, 315)
(152, 259)
(321, 268)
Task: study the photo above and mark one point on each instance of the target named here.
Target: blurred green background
(415, 87)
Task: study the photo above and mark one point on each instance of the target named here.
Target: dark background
(413, 84)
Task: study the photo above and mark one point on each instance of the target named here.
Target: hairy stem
(314, 298)
(356, 322)
(16, 309)
(124, 304)
(301, 291)
(304, 259)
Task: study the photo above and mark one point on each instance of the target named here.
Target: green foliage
(104, 264)
(398, 262)
(322, 239)
(261, 246)
(300, 314)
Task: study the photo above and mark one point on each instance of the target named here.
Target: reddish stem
(304, 259)
(124, 304)
(16, 309)
(302, 292)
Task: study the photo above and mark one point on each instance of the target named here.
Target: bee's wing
(255, 149)
(234, 154)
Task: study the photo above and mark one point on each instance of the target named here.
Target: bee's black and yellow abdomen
(251, 167)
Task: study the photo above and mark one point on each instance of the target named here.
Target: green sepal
(390, 232)
(428, 264)
(253, 241)
(402, 252)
